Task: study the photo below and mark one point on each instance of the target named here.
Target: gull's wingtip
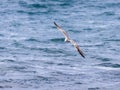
(80, 52)
(82, 55)
(55, 23)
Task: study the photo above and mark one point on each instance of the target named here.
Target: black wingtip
(82, 55)
(55, 23)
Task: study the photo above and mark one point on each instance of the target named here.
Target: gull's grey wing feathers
(77, 47)
(64, 33)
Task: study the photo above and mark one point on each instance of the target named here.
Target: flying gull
(67, 39)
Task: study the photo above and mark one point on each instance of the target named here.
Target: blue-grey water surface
(34, 56)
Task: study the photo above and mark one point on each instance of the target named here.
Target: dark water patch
(1, 86)
(5, 86)
(96, 88)
(22, 12)
(114, 40)
(6, 80)
(30, 12)
(63, 64)
(34, 5)
(19, 82)
(49, 50)
(75, 31)
(50, 63)
(110, 13)
(23, 3)
(32, 40)
(32, 82)
(7, 11)
(55, 63)
(37, 5)
(58, 40)
(8, 60)
(113, 5)
(17, 44)
(28, 71)
(17, 68)
(118, 18)
(42, 78)
(99, 7)
(48, 79)
(3, 48)
(33, 12)
(1, 35)
(87, 29)
(57, 73)
(19, 52)
(104, 59)
(110, 65)
(79, 83)
(65, 4)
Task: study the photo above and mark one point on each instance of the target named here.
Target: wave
(110, 65)
(108, 13)
(2, 48)
(1, 35)
(32, 40)
(34, 5)
(57, 40)
(113, 5)
(113, 40)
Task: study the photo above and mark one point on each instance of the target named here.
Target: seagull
(67, 39)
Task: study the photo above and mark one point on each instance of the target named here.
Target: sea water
(34, 56)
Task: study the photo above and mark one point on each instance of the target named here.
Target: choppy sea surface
(34, 56)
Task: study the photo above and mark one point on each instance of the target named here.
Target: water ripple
(114, 40)
(57, 40)
(111, 5)
(110, 65)
(32, 40)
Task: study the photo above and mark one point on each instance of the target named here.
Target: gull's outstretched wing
(64, 33)
(77, 47)
(70, 40)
